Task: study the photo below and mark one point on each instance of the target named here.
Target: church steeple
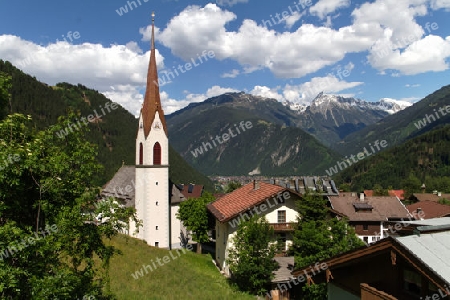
(152, 101)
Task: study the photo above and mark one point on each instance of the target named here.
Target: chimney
(353, 194)
(256, 185)
(361, 197)
(439, 194)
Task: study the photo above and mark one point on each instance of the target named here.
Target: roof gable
(243, 199)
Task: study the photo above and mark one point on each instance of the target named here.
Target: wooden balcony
(282, 226)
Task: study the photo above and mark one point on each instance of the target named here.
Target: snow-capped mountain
(294, 106)
(391, 105)
(323, 102)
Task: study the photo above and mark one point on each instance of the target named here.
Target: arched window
(157, 154)
(141, 154)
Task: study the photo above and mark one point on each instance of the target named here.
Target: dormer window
(362, 207)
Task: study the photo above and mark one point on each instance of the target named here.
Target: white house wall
(225, 231)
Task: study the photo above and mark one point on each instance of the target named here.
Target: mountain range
(238, 133)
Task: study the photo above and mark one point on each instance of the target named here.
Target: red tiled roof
(196, 191)
(384, 208)
(430, 209)
(242, 199)
(368, 193)
(397, 193)
(392, 193)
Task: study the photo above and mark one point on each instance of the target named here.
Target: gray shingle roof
(122, 186)
(433, 249)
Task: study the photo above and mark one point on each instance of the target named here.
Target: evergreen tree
(411, 185)
(251, 257)
(5, 93)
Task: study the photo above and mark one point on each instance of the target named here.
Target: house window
(412, 282)
(157, 183)
(156, 244)
(281, 216)
(157, 154)
(365, 227)
(366, 239)
(141, 154)
(157, 203)
(156, 227)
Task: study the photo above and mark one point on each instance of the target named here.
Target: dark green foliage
(232, 186)
(411, 185)
(378, 190)
(251, 257)
(5, 93)
(181, 172)
(424, 159)
(114, 133)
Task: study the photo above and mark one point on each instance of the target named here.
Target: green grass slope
(188, 276)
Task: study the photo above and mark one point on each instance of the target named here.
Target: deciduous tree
(47, 184)
(251, 257)
(195, 217)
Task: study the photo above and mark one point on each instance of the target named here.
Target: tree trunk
(199, 248)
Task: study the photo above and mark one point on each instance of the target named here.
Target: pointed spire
(152, 101)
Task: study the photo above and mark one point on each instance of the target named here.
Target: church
(146, 186)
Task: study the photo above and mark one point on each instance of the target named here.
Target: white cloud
(118, 70)
(307, 91)
(325, 7)
(267, 92)
(438, 4)
(402, 47)
(126, 95)
(230, 2)
(293, 18)
(428, 54)
(232, 74)
(290, 55)
(304, 93)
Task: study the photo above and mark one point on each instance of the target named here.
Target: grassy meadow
(185, 275)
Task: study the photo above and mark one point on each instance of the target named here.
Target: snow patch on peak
(391, 106)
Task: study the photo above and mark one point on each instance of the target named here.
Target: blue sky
(282, 49)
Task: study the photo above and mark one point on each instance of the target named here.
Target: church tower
(152, 163)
